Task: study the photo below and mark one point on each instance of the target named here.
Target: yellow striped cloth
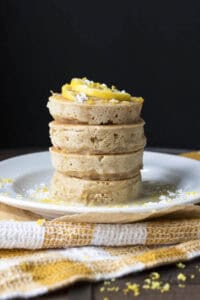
(107, 251)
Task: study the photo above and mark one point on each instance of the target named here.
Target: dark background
(148, 48)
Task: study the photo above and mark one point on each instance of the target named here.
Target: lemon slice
(137, 99)
(98, 90)
(68, 93)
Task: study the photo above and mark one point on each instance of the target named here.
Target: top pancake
(97, 113)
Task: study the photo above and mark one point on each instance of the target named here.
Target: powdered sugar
(38, 192)
(81, 97)
(156, 195)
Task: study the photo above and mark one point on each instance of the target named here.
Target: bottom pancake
(94, 192)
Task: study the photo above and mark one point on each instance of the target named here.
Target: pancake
(101, 167)
(98, 139)
(94, 192)
(97, 113)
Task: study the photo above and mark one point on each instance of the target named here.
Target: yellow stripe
(13, 253)
(161, 255)
(52, 273)
(61, 235)
(172, 232)
(194, 155)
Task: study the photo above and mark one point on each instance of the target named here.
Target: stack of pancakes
(98, 142)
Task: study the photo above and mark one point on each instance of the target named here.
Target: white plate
(168, 180)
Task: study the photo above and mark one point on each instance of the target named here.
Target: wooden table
(91, 291)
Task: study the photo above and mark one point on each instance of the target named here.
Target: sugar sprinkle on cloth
(38, 256)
